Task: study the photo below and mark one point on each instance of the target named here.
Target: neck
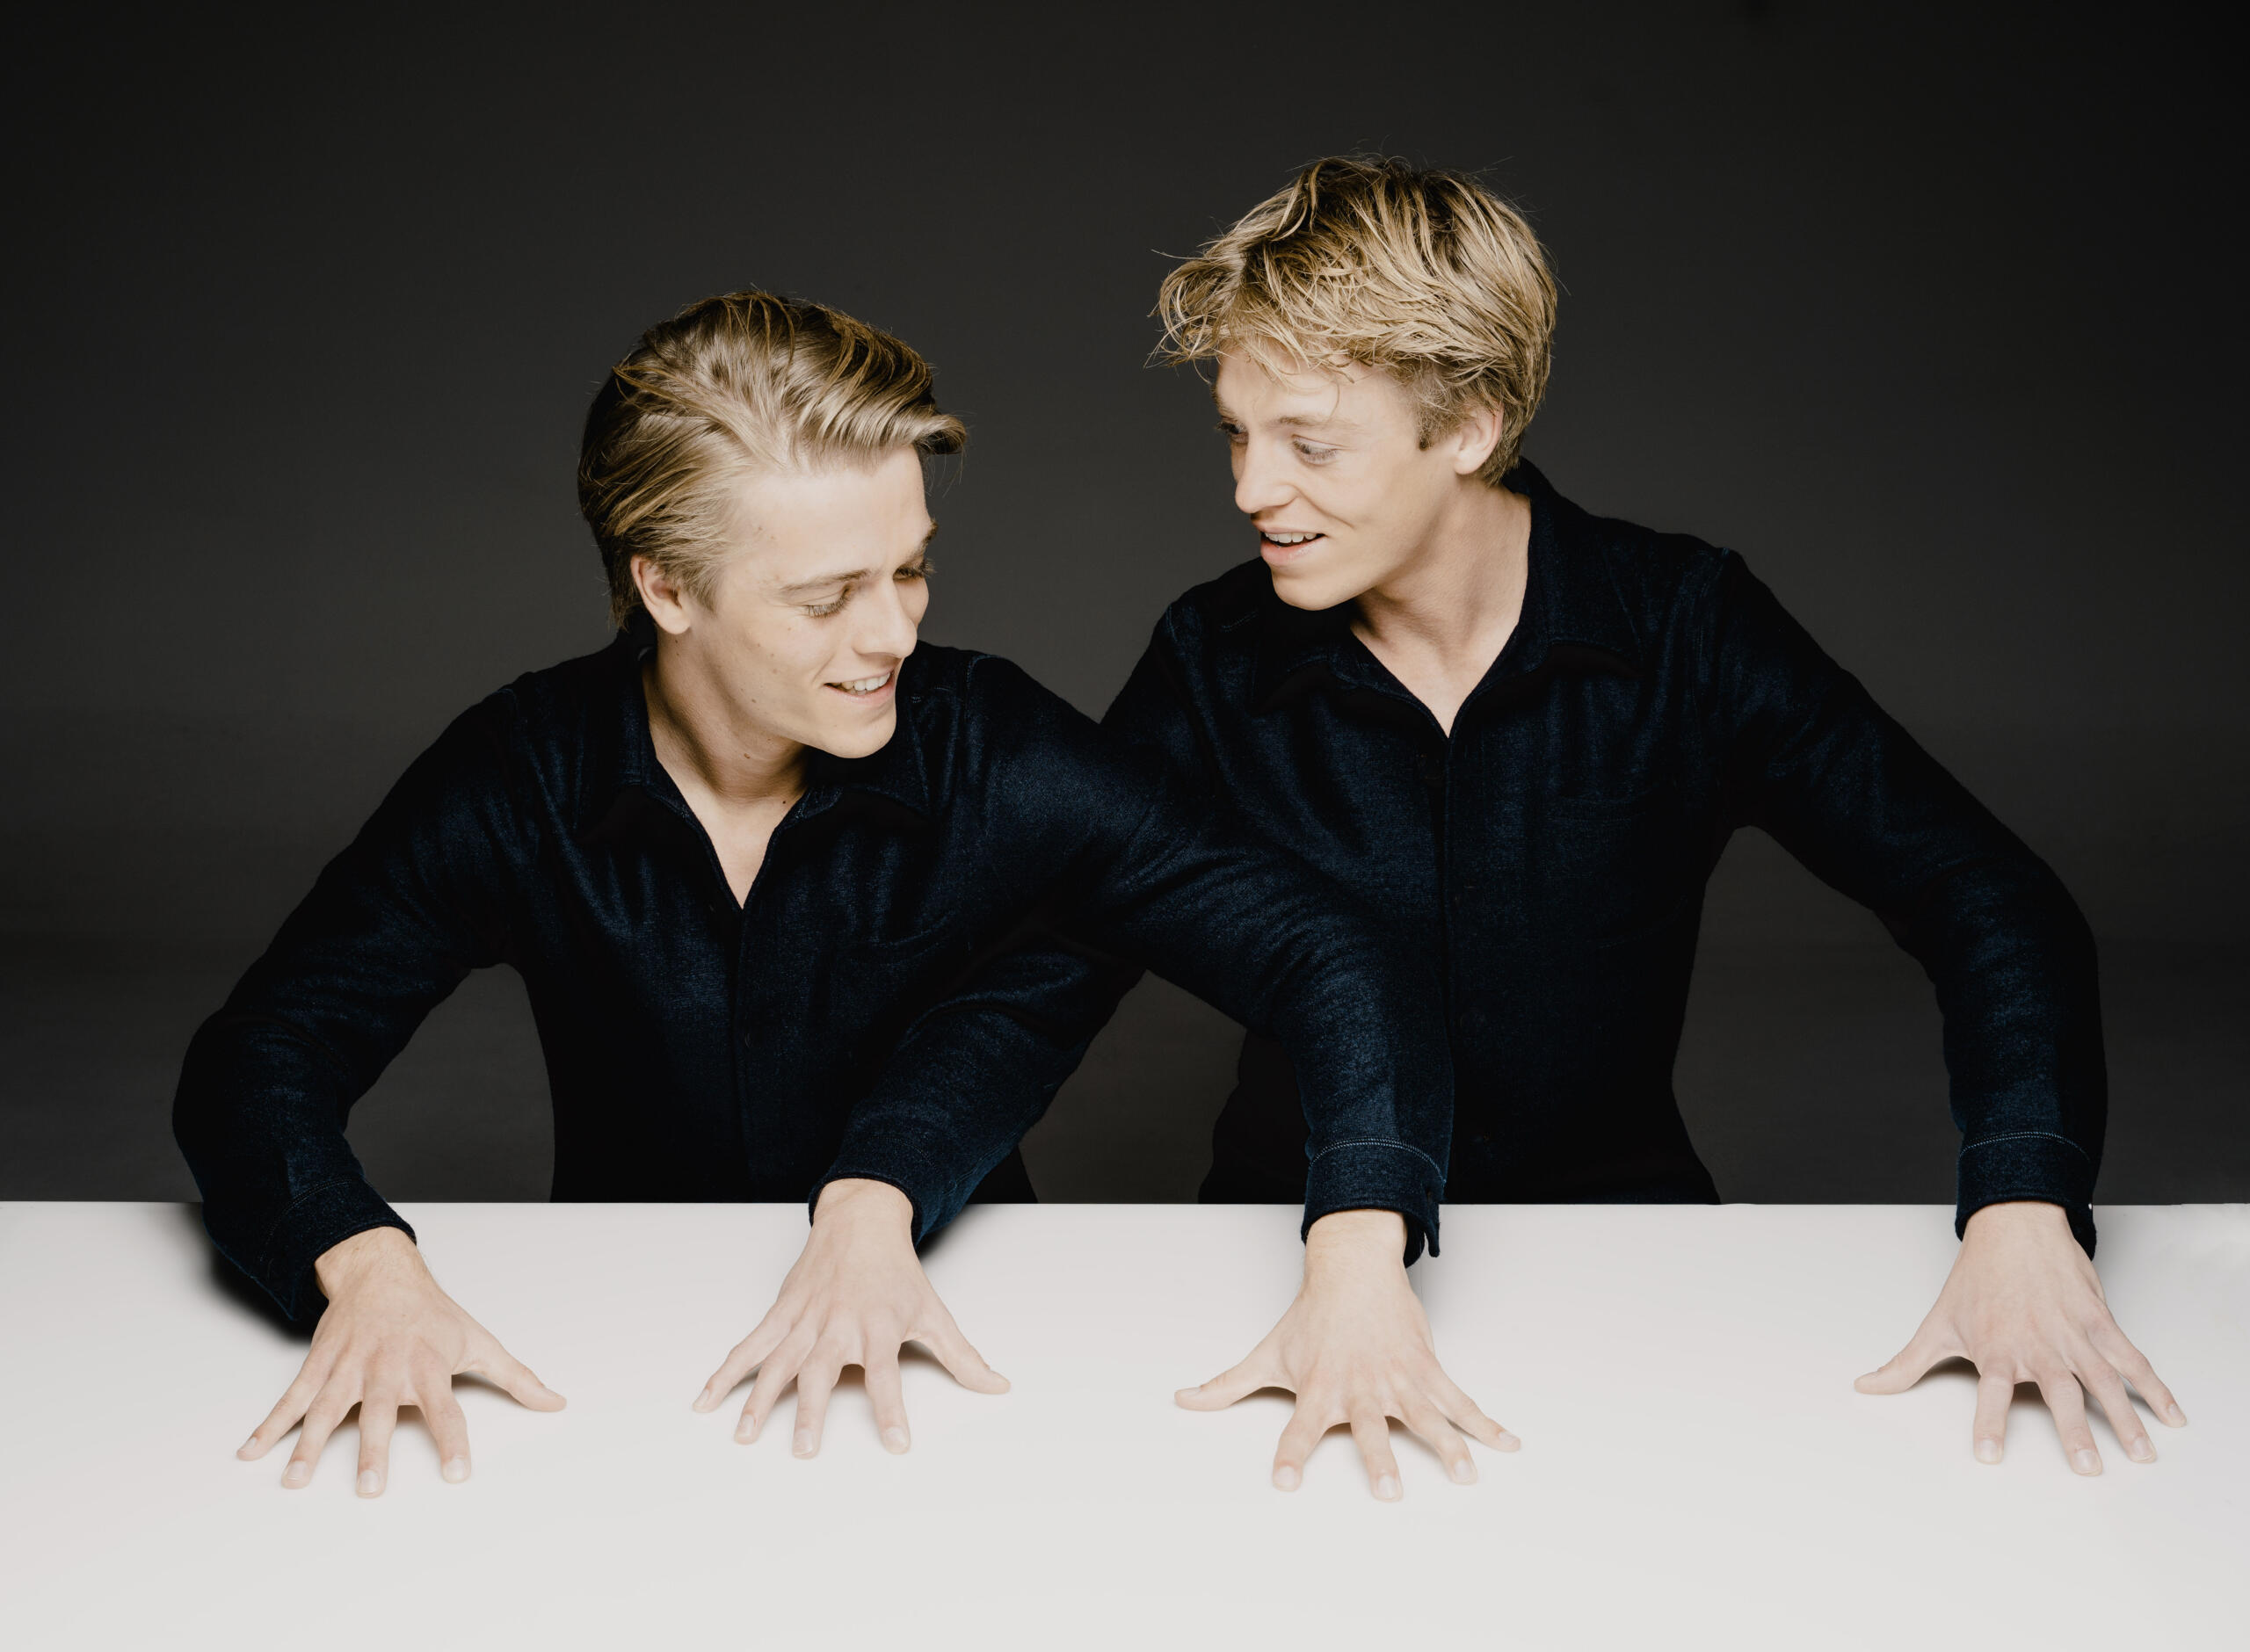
(708, 744)
(1439, 623)
(1464, 584)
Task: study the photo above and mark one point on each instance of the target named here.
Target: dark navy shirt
(872, 1010)
(1552, 854)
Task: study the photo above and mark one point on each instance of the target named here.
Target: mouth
(1281, 547)
(866, 688)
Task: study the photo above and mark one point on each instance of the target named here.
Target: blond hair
(736, 386)
(1423, 275)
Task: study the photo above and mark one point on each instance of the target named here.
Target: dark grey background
(1932, 316)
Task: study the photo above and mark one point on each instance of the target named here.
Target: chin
(1312, 590)
(860, 739)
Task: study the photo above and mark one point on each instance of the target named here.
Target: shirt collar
(628, 789)
(1573, 617)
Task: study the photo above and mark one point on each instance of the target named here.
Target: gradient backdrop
(1932, 318)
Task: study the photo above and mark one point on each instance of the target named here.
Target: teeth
(1290, 539)
(866, 684)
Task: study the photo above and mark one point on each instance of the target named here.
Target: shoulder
(984, 719)
(1218, 616)
(938, 684)
(530, 741)
(1663, 579)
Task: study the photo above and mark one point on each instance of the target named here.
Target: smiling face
(801, 633)
(1332, 471)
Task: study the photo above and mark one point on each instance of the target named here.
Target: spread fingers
(378, 1422)
(1371, 1433)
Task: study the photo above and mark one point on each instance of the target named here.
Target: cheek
(914, 600)
(792, 654)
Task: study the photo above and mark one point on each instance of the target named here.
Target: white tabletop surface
(1697, 1469)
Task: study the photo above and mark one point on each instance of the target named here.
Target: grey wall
(1932, 318)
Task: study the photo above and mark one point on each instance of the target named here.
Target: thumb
(1224, 1389)
(1907, 1367)
(497, 1364)
(944, 1339)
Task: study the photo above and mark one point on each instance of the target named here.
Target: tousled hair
(1423, 275)
(734, 386)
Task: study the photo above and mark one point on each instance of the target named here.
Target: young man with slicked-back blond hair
(1527, 733)
(763, 865)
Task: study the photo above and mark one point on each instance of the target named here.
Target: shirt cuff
(2027, 1165)
(322, 1217)
(1377, 1176)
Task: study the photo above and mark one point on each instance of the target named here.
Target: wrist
(857, 1199)
(2019, 1215)
(1355, 1240)
(350, 1262)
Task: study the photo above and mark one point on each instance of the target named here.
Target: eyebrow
(850, 577)
(1297, 421)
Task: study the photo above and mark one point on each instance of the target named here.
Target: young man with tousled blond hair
(765, 866)
(1527, 733)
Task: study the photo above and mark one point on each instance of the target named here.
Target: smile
(1274, 536)
(866, 685)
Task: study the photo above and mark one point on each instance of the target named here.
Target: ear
(1474, 439)
(668, 603)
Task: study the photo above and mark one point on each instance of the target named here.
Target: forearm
(1811, 759)
(974, 1073)
(260, 1125)
(1265, 941)
(2015, 971)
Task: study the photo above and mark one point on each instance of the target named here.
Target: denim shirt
(873, 1008)
(1551, 855)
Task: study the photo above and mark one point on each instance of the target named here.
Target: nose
(885, 627)
(1258, 483)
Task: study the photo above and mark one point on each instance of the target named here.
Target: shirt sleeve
(1153, 871)
(392, 926)
(1808, 757)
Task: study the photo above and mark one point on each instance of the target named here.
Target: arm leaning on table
(1807, 755)
(394, 925)
(1144, 868)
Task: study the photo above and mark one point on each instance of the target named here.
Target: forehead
(1350, 393)
(876, 506)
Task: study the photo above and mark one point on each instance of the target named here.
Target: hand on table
(388, 1337)
(856, 1296)
(2024, 1304)
(1355, 1348)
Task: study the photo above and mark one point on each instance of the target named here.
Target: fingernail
(297, 1474)
(370, 1483)
(1286, 1478)
(2141, 1451)
(1988, 1450)
(1463, 1471)
(1386, 1488)
(1508, 1442)
(803, 1444)
(457, 1469)
(2085, 1462)
(2174, 1415)
(894, 1439)
(703, 1400)
(249, 1445)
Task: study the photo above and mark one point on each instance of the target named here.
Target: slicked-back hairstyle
(735, 386)
(1425, 275)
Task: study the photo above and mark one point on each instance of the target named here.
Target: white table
(1696, 1470)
